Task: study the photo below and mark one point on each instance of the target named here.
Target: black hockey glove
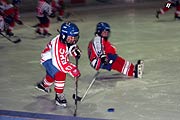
(104, 59)
(76, 52)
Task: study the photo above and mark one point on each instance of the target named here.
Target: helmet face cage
(69, 33)
(101, 27)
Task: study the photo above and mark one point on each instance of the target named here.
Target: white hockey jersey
(59, 53)
(43, 8)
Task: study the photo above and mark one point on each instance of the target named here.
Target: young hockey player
(168, 5)
(10, 13)
(102, 54)
(58, 6)
(55, 59)
(44, 10)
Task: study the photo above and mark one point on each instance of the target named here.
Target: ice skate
(9, 33)
(157, 14)
(139, 68)
(61, 100)
(38, 32)
(41, 87)
(176, 17)
(141, 62)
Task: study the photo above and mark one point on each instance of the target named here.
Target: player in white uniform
(55, 59)
(44, 10)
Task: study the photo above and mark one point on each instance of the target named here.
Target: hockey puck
(110, 110)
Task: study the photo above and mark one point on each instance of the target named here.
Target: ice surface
(136, 33)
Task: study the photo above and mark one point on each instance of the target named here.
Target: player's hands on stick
(76, 73)
(104, 59)
(76, 52)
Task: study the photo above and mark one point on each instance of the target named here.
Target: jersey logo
(62, 56)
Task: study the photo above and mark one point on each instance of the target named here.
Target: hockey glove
(104, 59)
(76, 73)
(76, 52)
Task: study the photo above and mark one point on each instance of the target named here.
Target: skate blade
(64, 105)
(139, 71)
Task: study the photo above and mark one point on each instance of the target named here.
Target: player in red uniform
(58, 6)
(10, 13)
(55, 59)
(102, 54)
(168, 5)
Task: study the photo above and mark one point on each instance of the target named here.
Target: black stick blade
(74, 114)
(78, 98)
(17, 41)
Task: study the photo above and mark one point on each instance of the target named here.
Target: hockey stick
(82, 98)
(29, 27)
(15, 41)
(36, 25)
(94, 78)
(76, 90)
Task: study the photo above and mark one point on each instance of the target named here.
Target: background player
(58, 6)
(102, 54)
(10, 13)
(55, 59)
(168, 5)
(44, 10)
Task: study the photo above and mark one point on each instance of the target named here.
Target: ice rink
(135, 32)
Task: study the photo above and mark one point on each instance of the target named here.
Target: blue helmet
(102, 26)
(68, 29)
(16, 2)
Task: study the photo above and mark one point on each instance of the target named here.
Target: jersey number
(168, 5)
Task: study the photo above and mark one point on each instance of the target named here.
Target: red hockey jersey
(96, 48)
